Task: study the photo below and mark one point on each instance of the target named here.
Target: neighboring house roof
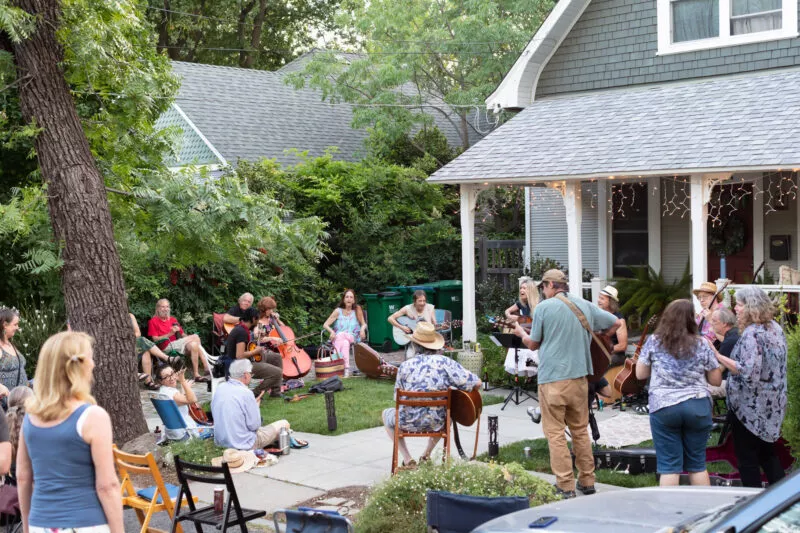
(518, 87)
(228, 114)
(734, 123)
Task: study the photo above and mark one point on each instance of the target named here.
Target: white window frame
(666, 46)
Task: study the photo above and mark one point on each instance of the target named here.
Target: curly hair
(757, 307)
(677, 329)
(16, 412)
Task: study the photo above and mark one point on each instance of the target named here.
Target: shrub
(398, 504)
(37, 323)
(791, 423)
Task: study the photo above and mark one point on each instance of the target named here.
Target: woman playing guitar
(420, 310)
(522, 313)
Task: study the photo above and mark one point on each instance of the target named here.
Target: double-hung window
(688, 25)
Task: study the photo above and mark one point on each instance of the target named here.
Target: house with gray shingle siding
(670, 125)
(227, 114)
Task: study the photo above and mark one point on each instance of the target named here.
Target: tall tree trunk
(163, 28)
(240, 30)
(464, 130)
(255, 37)
(94, 291)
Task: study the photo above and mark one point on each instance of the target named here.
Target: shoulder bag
(599, 355)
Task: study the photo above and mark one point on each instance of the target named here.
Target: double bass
(296, 362)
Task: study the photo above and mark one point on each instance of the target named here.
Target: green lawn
(358, 406)
(540, 462)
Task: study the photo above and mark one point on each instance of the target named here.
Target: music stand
(509, 340)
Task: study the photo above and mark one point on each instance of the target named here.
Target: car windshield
(703, 522)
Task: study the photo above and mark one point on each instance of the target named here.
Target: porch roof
(724, 124)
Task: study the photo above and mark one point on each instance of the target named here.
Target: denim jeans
(680, 434)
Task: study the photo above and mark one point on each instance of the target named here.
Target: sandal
(202, 379)
(149, 384)
(297, 444)
(411, 465)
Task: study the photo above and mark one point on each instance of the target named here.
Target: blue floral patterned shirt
(757, 394)
(674, 380)
(427, 373)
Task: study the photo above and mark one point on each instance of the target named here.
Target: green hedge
(791, 423)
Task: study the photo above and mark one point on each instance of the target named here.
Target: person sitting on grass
(168, 334)
(237, 415)
(428, 371)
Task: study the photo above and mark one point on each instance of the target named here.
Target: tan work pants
(565, 404)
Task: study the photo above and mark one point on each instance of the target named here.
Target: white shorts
(528, 364)
(91, 529)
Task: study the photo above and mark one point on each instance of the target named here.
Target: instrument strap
(585, 323)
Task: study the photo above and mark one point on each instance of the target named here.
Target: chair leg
(395, 446)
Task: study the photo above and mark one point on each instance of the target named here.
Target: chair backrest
(312, 521)
(407, 398)
(211, 475)
(129, 463)
(167, 409)
(443, 315)
(460, 513)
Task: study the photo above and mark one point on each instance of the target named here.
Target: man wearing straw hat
(710, 300)
(427, 372)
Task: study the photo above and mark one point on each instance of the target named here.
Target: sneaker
(585, 490)
(535, 413)
(564, 494)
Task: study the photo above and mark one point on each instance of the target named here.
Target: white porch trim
(571, 193)
(758, 224)
(469, 197)
(700, 191)
(654, 223)
(199, 133)
(603, 233)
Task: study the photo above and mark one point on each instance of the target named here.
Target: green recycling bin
(405, 292)
(379, 307)
(449, 295)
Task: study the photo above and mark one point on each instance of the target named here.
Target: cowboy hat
(425, 335)
(611, 292)
(237, 460)
(709, 287)
(554, 274)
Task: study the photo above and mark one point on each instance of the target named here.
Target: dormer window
(688, 25)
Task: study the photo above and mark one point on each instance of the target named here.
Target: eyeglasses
(165, 377)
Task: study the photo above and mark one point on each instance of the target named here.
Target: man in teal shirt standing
(564, 363)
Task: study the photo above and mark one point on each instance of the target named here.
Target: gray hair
(726, 316)
(758, 308)
(239, 368)
(246, 296)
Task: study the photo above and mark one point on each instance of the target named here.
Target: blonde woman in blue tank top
(345, 325)
(75, 490)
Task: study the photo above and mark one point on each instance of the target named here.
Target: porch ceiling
(724, 124)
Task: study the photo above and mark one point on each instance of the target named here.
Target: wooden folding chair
(127, 464)
(433, 399)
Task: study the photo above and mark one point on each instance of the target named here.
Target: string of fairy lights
(778, 189)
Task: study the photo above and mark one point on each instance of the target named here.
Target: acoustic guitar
(626, 382)
(465, 409)
(257, 358)
(402, 338)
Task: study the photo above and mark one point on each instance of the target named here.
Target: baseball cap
(554, 274)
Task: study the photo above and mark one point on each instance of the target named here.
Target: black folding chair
(233, 514)
(461, 513)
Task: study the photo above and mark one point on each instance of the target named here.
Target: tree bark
(255, 38)
(240, 31)
(92, 282)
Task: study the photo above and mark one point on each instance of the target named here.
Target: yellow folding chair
(159, 496)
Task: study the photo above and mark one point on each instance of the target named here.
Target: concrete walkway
(359, 458)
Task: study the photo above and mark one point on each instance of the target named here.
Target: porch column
(469, 196)
(758, 225)
(571, 193)
(527, 249)
(654, 223)
(699, 215)
(603, 232)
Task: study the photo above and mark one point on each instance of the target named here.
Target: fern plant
(648, 293)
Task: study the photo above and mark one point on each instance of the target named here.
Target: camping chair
(310, 520)
(168, 411)
(146, 502)
(443, 316)
(324, 335)
(421, 399)
(460, 513)
(218, 335)
(233, 513)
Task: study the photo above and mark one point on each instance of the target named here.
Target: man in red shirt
(165, 331)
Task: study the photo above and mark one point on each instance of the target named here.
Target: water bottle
(283, 441)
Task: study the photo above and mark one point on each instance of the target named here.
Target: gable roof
(734, 123)
(249, 114)
(518, 87)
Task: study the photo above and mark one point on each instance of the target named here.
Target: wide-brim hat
(709, 287)
(425, 335)
(554, 274)
(237, 460)
(611, 292)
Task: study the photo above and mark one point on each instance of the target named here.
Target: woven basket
(326, 367)
(472, 361)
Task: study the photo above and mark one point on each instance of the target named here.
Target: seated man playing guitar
(269, 367)
(427, 372)
(242, 310)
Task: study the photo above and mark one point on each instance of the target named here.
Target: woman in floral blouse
(756, 387)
